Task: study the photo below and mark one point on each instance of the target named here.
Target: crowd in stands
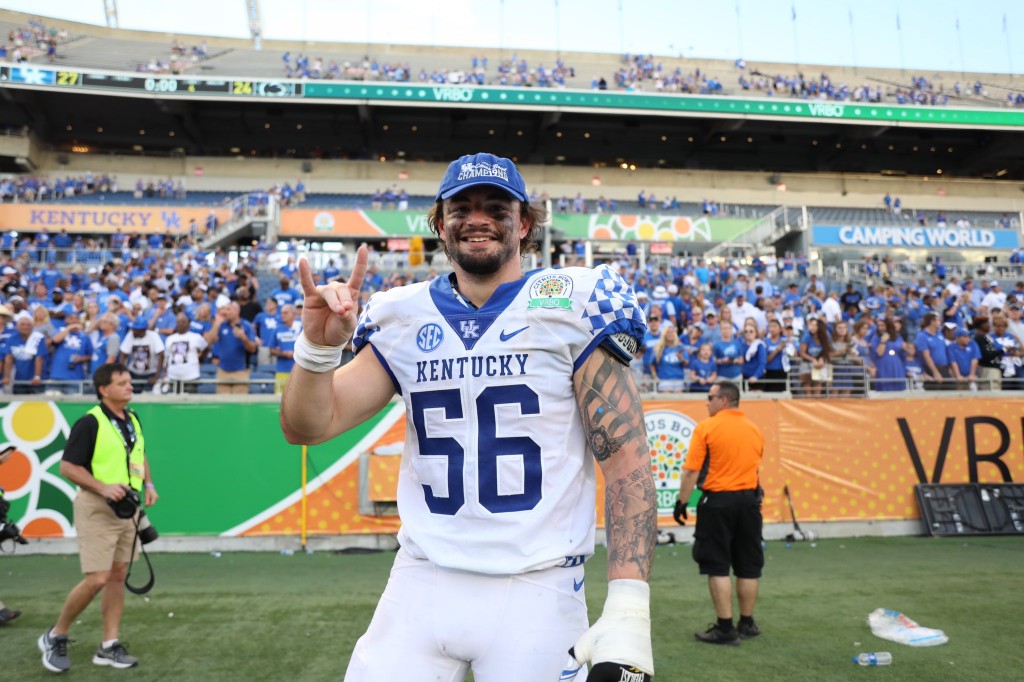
(645, 202)
(34, 39)
(180, 58)
(32, 188)
(643, 73)
(777, 333)
(940, 218)
(921, 91)
(42, 188)
(178, 316)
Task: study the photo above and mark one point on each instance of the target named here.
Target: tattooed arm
(618, 645)
(613, 420)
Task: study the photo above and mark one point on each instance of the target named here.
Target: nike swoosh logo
(577, 585)
(505, 337)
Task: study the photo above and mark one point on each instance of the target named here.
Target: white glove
(623, 632)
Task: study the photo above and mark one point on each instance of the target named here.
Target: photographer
(105, 457)
(6, 614)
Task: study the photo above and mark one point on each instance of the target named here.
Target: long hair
(821, 335)
(534, 212)
(662, 344)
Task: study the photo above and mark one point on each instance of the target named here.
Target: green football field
(250, 616)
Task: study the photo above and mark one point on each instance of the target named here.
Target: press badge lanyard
(129, 443)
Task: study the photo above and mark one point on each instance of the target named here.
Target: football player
(514, 384)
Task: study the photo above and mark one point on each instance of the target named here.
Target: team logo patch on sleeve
(551, 291)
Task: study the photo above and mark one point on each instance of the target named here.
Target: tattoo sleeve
(613, 421)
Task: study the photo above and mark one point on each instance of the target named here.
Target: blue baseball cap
(962, 332)
(482, 169)
(138, 323)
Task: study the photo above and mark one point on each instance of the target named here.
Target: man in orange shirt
(729, 521)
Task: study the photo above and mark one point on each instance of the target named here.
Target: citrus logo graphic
(323, 222)
(41, 501)
(668, 436)
(649, 228)
(551, 291)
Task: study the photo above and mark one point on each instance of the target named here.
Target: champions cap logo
(668, 437)
(551, 291)
(469, 171)
(482, 170)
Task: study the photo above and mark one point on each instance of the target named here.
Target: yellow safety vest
(109, 463)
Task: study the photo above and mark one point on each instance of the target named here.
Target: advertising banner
(225, 469)
(93, 218)
(914, 237)
(327, 223)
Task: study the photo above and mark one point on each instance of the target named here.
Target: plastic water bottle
(880, 658)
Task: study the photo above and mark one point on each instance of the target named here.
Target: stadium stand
(47, 275)
(94, 47)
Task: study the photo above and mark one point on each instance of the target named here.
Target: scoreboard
(146, 84)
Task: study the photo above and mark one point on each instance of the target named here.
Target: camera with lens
(147, 531)
(126, 507)
(8, 531)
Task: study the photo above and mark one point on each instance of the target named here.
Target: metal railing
(907, 271)
(72, 388)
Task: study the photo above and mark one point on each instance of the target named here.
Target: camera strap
(152, 576)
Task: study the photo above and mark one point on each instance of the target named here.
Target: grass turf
(266, 616)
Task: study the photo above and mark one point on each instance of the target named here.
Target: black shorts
(728, 534)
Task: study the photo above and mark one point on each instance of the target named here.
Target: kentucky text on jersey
(443, 369)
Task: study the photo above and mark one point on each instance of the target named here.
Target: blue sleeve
(762, 361)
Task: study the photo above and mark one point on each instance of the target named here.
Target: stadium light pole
(1009, 50)
(796, 40)
(853, 39)
(558, 32)
(960, 43)
(622, 31)
(899, 33)
(739, 32)
(110, 9)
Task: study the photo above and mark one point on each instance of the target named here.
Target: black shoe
(748, 631)
(7, 615)
(715, 635)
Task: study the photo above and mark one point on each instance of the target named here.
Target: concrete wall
(815, 189)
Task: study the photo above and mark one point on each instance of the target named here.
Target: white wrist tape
(623, 632)
(314, 357)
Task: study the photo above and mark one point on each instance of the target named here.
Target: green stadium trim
(595, 101)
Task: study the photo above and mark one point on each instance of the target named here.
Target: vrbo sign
(826, 109)
(453, 94)
(914, 237)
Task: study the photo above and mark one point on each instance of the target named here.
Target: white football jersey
(495, 476)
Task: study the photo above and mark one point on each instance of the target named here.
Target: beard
(482, 262)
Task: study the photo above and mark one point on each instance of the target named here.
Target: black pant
(728, 534)
(947, 385)
(774, 381)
